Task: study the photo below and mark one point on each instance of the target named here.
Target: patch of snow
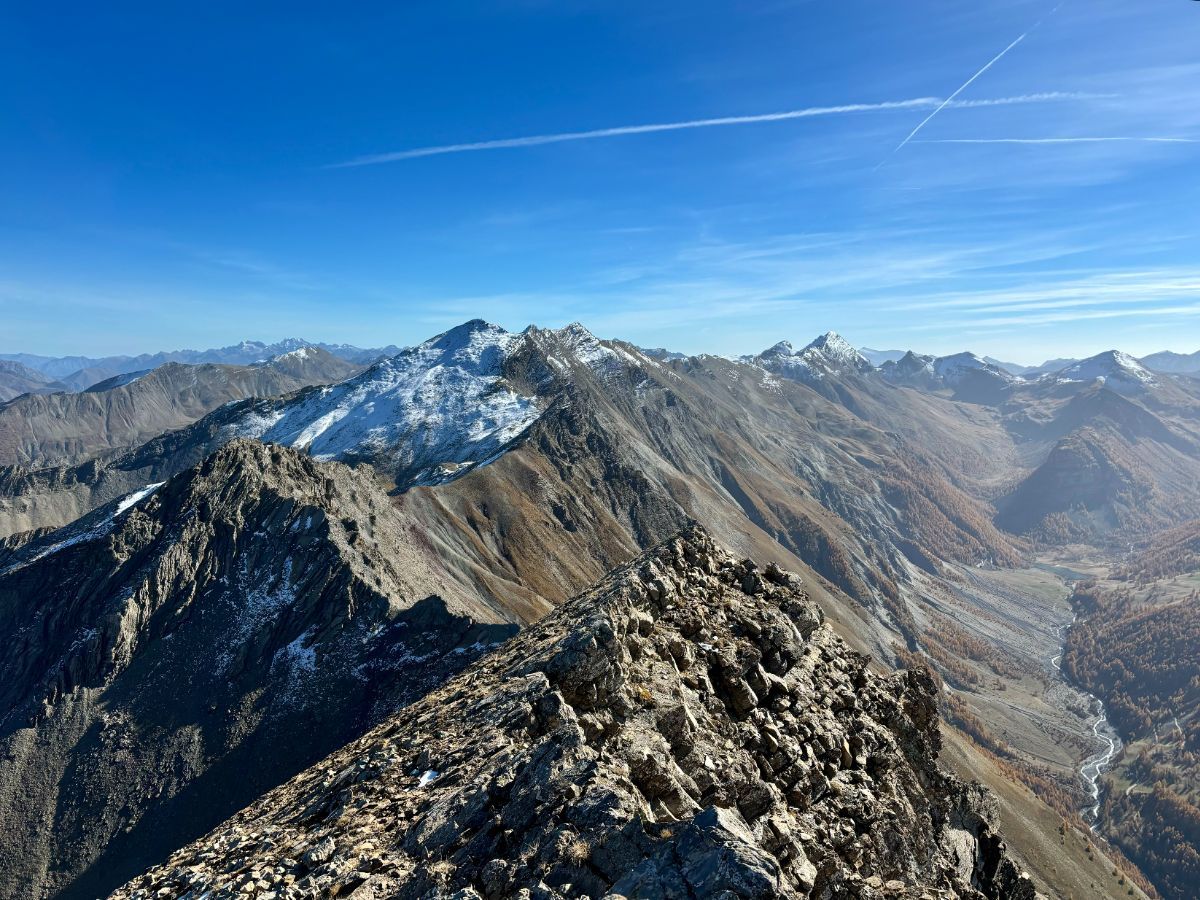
(94, 531)
(299, 657)
(427, 778)
(263, 604)
(121, 380)
(137, 497)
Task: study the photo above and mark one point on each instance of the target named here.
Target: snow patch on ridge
(94, 529)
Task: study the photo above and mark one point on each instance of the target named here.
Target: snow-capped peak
(912, 363)
(955, 366)
(477, 343)
(577, 342)
(966, 373)
(1112, 368)
(576, 336)
(300, 353)
(835, 348)
(430, 412)
(830, 354)
(783, 348)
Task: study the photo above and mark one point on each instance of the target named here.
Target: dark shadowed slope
(171, 656)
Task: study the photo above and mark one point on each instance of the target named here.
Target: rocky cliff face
(175, 653)
(687, 728)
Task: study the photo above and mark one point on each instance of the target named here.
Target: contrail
(810, 112)
(1066, 140)
(995, 59)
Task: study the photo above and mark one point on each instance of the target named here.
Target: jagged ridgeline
(686, 728)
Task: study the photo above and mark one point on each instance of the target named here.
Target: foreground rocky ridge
(687, 728)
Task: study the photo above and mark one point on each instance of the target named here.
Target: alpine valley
(535, 614)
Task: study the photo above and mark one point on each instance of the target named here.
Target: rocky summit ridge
(686, 728)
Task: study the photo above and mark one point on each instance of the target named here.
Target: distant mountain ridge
(1175, 363)
(80, 372)
(47, 428)
(38, 373)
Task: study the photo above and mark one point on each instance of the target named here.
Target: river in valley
(1107, 739)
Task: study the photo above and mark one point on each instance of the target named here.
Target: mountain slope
(16, 379)
(176, 653)
(1114, 456)
(124, 411)
(686, 728)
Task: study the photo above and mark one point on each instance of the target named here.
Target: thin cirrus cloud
(1136, 287)
(538, 140)
(1067, 140)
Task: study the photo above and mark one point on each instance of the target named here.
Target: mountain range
(44, 429)
(76, 373)
(188, 588)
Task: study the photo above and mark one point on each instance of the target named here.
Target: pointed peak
(470, 332)
(835, 348)
(783, 348)
(830, 339)
(576, 335)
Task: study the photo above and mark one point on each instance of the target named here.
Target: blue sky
(173, 175)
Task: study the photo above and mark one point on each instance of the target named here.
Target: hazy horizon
(1011, 178)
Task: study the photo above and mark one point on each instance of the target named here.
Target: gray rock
(571, 767)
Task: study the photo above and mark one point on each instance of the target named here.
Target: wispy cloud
(1066, 140)
(538, 140)
(966, 84)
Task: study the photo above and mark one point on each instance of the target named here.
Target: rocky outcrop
(687, 728)
(176, 653)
